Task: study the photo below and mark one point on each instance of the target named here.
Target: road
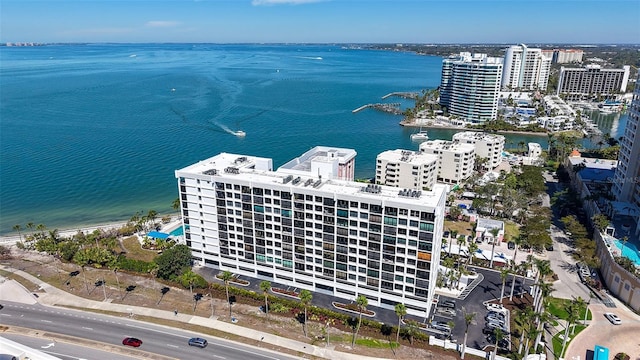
(110, 330)
(64, 351)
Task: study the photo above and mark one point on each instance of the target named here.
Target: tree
(189, 277)
(572, 310)
(504, 274)
(265, 286)
(362, 303)
(81, 258)
(514, 268)
(468, 319)
(176, 204)
(494, 232)
(226, 276)
(473, 247)
(401, 311)
(173, 261)
(18, 228)
(151, 216)
(305, 298)
(114, 266)
(499, 336)
(600, 221)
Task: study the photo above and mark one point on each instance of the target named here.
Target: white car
(496, 308)
(615, 320)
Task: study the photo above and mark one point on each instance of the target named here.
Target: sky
(321, 21)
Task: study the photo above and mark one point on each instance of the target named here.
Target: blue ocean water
(93, 133)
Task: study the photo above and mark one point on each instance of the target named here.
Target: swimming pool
(177, 232)
(628, 250)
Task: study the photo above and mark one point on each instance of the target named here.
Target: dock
(406, 95)
(393, 108)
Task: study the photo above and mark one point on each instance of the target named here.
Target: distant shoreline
(461, 128)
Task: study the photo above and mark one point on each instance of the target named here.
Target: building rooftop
(453, 146)
(477, 135)
(487, 224)
(407, 156)
(593, 163)
(252, 169)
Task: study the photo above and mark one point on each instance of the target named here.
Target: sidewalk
(13, 291)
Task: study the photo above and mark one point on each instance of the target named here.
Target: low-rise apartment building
(456, 160)
(407, 169)
(488, 146)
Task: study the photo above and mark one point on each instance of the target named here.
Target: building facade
(488, 146)
(626, 182)
(470, 85)
(407, 169)
(592, 80)
(296, 228)
(526, 68)
(455, 160)
(566, 56)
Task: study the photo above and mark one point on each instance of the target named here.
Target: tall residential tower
(470, 86)
(310, 230)
(526, 68)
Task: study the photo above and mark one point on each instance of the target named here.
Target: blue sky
(321, 21)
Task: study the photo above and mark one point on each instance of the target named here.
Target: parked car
(511, 245)
(199, 342)
(502, 344)
(495, 316)
(499, 321)
(613, 318)
(441, 326)
(447, 304)
(496, 307)
(495, 325)
(131, 341)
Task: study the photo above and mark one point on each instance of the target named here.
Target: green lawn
(556, 308)
(557, 340)
(135, 251)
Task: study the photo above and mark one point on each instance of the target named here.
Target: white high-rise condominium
(526, 68)
(626, 182)
(296, 227)
(470, 85)
(592, 80)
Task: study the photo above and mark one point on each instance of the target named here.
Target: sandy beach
(67, 232)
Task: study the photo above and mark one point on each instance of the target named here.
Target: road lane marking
(159, 331)
(47, 321)
(173, 346)
(247, 351)
(87, 328)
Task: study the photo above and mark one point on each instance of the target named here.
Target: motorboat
(420, 136)
(240, 133)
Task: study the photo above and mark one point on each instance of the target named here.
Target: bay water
(92, 133)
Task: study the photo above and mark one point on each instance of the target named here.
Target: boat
(420, 136)
(240, 133)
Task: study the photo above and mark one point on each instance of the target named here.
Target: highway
(109, 330)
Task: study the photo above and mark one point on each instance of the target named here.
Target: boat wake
(238, 133)
(310, 57)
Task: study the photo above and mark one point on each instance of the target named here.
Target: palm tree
(573, 316)
(265, 286)
(494, 232)
(82, 260)
(499, 336)
(362, 303)
(516, 243)
(190, 277)
(525, 319)
(176, 204)
(151, 216)
(114, 266)
(504, 274)
(226, 276)
(305, 299)
(468, 319)
(18, 227)
(401, 311)
(473, 247)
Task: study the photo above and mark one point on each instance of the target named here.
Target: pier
(406, 95)
(393, 108)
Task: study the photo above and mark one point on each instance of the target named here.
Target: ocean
(93, 133)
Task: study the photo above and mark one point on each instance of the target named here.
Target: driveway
(618, 338)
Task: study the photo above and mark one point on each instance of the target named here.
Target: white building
(592, 80)
(533, 155)
(554, 105)
(556, 123)
(299, 229)
(564, 56)
(407, 169)
(326, 162)
(525, 68)
(455, 160)
(626, 182)
(488, 146)
(470, 85)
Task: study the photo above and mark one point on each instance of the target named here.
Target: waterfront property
(456, 160)
(526, 68)
(304, 227)
(470, 85)
(592, 80)
(488, 146)
(407, 169)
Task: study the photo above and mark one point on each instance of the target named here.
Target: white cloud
(279, 2)
(159, 23)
